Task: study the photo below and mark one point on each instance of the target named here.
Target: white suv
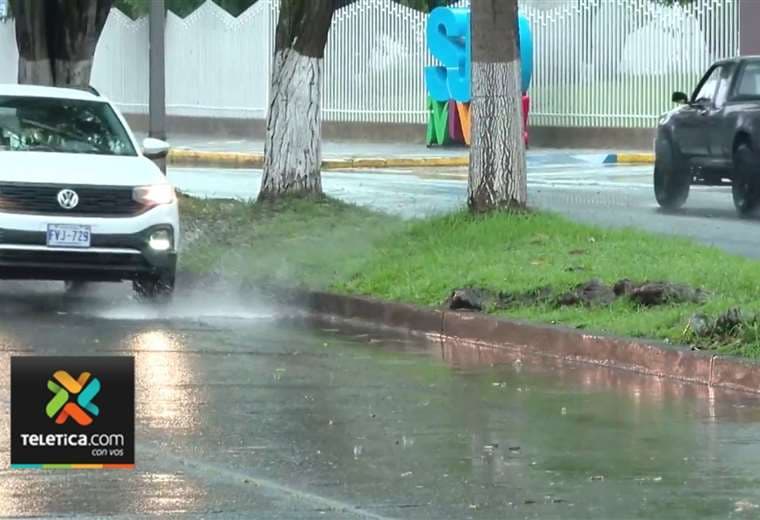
(79, 200)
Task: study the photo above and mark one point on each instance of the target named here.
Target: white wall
(597, 62)
(8, 52)
(120, 71)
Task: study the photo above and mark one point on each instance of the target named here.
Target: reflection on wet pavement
(250, 413)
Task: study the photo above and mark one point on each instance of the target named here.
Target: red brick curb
(497, 340)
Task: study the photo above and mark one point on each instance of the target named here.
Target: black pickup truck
(713, 137)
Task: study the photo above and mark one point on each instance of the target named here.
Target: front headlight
(160, 240)
(154, 195)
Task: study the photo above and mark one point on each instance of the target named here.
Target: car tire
(155, 287)
(745, 187)
(671, 182)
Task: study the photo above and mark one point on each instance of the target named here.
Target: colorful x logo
(60, 407)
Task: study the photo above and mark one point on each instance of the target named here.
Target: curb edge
(200, 158)
(183, 157)
(629, 158)
(500, 338)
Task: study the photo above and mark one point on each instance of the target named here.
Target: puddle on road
(517, 371)
(191, 307)
(370, 416)
(117, 302)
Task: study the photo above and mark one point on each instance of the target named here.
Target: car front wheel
(671, 184)
(157, 287)
(745, 186)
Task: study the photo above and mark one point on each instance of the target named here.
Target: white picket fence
(598, 62)
(617, 62)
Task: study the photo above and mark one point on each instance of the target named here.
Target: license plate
(68, 235)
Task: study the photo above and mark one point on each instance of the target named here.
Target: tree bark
(75, 37)
(497, 177)
(57, 39)
(34, 66)
(292, 148)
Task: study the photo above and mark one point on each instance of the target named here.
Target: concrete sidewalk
(193, 150)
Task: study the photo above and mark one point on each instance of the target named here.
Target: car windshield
(61, 125)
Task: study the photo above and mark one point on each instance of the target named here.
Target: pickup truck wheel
(671, 184)
(157, 288)
(745, 186)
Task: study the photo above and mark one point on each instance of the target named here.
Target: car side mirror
(680, 98)
(155, 148)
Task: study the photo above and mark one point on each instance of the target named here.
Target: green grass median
(304, 243)
(343, 248)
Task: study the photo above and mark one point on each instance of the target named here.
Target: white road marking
(246, 480)
(585, 184)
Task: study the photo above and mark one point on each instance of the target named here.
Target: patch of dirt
(591, 293)
(663, 293)
(537, 296)
(726, 325)
(471, 299)
(482, 299)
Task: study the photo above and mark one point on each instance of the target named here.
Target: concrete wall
(256, 129)
(540, 137)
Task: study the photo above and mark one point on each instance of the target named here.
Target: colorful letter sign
(448, 85)
(448, 35)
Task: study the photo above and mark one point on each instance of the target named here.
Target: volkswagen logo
(68, 199)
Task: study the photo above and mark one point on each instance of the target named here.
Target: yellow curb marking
(180, 157)
(635, 158)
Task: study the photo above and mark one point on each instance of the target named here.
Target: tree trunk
(75, 38)
(34, 65)
(497, 154)
(73, 73)
(292, 148)
(57, 40)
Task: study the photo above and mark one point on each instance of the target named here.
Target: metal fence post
(157, 95)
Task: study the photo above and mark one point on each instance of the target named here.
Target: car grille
(83, 260)
(102, 201)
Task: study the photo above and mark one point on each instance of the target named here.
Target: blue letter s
(448, 35)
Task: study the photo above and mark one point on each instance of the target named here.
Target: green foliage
(132, 8)
(138, 8)
(329, 244)
(518, 253)
(424, 5)
(182, 8)
(290, 242)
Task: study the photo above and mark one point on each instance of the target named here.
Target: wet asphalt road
(243, 412)
(619, 196)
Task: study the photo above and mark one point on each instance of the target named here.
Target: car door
(690, 123)
(718, 135)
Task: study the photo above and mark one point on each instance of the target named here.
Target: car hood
(70, 168)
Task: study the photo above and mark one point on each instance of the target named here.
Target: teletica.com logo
(72, 412)
(81, 391)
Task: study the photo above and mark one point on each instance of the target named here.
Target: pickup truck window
(707, 90)
(749, 83)
(723, 86)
